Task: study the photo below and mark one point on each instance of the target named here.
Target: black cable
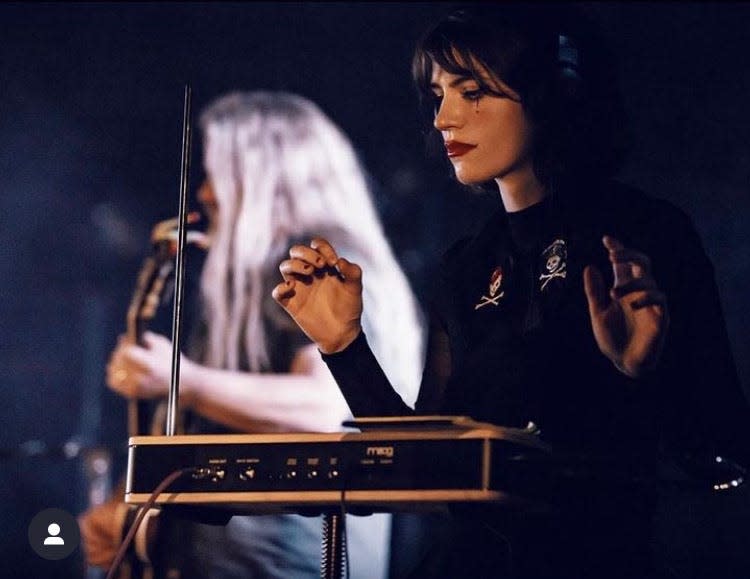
(160, 488)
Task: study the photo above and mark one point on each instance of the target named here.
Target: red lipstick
(456, 148)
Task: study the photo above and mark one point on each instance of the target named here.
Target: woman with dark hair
(583, 306)
(561, 71)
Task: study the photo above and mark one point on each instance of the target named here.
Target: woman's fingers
(307, 255)
(348, 270)
(652, 297)
(306, 261)
(634, 285)
(632, 274)
(630, 255)
(632, 262)
(325, 249)
(292, 269)
(627, 263)
(621, 270)
(283, 291)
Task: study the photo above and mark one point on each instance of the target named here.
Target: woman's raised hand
(631, 323)
(323, 294)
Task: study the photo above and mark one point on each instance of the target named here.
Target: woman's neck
(520, 190)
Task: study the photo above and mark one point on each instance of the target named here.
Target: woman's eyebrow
(455, 82)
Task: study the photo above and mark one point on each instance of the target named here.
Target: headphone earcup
(568, 62)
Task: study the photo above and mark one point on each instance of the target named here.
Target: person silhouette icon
(53, 529)
(53, 534)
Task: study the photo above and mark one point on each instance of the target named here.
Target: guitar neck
(152, 280)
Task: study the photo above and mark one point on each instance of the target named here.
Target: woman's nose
(445, 115)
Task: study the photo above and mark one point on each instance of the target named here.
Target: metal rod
(174, 386)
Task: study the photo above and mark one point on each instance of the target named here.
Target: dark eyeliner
(473, 95)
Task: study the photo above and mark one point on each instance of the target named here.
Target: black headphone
(568, 57)
(569, 66)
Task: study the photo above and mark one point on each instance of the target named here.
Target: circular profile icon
(53, 534)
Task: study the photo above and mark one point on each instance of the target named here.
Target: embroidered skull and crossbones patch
(496, 285)
(555, 260)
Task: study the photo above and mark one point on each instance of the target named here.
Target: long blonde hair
(282, 172)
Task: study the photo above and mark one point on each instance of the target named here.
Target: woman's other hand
(630, 325)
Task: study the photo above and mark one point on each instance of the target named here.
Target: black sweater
(510, 341)
(530, 355)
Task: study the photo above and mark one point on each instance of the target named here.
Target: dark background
(90, 125)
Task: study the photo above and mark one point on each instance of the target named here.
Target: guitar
(152, 282)
(153, 279)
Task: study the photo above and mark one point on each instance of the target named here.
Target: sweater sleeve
(363, 382)
(366, 387)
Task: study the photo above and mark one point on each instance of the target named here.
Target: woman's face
(486, 136)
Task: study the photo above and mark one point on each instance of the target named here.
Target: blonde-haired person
(278, 171)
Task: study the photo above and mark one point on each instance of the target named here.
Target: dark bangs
(451, 57)
(461, 44)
